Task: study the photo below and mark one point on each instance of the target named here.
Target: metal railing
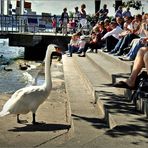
(39, 23)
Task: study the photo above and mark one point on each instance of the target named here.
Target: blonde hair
(95, 29)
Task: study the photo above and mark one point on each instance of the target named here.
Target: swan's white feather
(25, 100)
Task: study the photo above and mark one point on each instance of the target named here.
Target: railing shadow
(95, 122)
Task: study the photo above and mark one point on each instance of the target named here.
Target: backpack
(141, 92)
(141, 81)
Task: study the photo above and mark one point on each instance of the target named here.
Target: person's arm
(127, 28)
(114, 31)
(67, 17)
(137, 29)
(106, 12)
(125, 31)
(62, 17)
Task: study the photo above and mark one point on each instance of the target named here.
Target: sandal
(122, 84)
(81, 55)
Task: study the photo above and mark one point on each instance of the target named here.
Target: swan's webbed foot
(35, 123)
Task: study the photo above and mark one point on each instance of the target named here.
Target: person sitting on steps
(95, 42)
(141, 60)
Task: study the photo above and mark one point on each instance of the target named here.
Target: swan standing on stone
(30, 98)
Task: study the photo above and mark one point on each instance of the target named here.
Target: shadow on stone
(129, 129)
(96, 122)
(41, 127)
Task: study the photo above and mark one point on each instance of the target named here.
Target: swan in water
(30, 98)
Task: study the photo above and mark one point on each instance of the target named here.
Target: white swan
(29, 98)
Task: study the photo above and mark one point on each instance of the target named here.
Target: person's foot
(90, 51)
(112, 52)
(81, 55)
(105, 50)
(118, 54)
(69, 55)
(125, 59)
(124, 84)
(79, 52)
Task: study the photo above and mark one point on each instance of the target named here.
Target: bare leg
(138, 65)
(146, 61)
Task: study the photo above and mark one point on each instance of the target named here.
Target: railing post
(21, 18)
(2, 7)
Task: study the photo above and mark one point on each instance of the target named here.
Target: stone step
(112, 68)
(84, 116)
(127, 65)
(110, 101)
(92, 71)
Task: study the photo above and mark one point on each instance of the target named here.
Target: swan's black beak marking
(58, 49)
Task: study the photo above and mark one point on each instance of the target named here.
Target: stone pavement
(68, 118)
(90, 130)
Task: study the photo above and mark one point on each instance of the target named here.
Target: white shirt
(77, 15)
(82, 43)
(115, 33)
(130, 26)
(74, 42)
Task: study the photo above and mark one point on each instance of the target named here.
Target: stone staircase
(99, 71)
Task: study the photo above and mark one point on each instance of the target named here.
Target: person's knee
(142, 51)
(145, 58)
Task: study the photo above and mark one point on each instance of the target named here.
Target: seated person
(107, 25)
(140, 42)
(112, 37)
(141, 60)
(94, 43)
(136, 44)
(101, 30)
(120, 22)
(132, 33)
(127, 28)
(73, 45)
(81, 44)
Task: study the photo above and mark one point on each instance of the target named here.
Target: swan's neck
(48, 81)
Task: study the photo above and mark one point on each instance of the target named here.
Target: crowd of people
(67, 23)
(125, 36)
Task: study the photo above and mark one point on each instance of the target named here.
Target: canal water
(11, 76)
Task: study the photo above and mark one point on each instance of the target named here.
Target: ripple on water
(11, 81)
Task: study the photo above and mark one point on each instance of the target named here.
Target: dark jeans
(92, 46)
(111, 43)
